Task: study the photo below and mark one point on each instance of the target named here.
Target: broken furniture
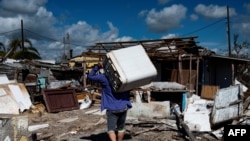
(58, 100)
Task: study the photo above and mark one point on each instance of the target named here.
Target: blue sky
(47, 22)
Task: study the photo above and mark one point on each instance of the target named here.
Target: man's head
(100, 65)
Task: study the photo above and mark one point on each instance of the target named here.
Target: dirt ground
(90, 125)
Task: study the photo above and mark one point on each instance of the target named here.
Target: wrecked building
(181, 60)
(185, 72)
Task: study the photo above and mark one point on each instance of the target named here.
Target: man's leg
(111, 125)
(121, 135)
(112, 135)
(121, 125)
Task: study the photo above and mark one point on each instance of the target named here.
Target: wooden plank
(228, 105)
(193, 77)
(183, 125)
(209, 91)
(174, 75)
(186, 77)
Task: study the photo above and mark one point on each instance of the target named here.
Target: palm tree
(17, 51)
(27, 53)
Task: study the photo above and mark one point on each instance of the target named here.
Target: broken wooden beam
(183, 125)
(145, 130)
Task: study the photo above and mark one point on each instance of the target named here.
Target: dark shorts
(116, 120)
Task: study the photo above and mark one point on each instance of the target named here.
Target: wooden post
(233, 77)
(180, 68)
(22, 35)
(190, 72)
(197, 74)
(84, 73)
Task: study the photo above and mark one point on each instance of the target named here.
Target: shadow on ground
(102, 137)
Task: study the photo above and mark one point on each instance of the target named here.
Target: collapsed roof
(158, 49)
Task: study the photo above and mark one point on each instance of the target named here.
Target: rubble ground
(90, 125)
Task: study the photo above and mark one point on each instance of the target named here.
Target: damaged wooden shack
(186, 72)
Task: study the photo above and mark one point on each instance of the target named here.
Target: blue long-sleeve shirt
(109, 99)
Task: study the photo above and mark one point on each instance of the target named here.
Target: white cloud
(110, 35)
(39, 27)
(85, 35)
(217, 47)
(9, 24)
(55, 45)
(240, 25)
(13, 7)
(214, 11)
(82, 32)
(124, 38)
(169, 36)
(216, 50)
(194, 17)
(246, 26)
(49, 50)
(142, 13)
(167, 18)
(40, 21)
(243, 29)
